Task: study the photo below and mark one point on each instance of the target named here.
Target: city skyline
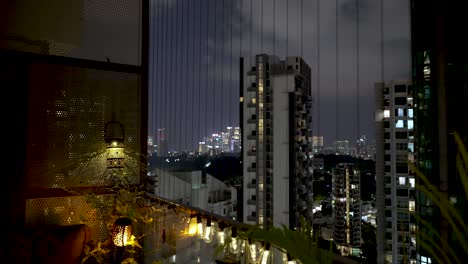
(196, 70)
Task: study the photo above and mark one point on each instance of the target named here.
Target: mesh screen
(68, 110)
(95, 30)
(66, 211)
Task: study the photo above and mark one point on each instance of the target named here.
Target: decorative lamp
(221, 233)
(234, 245)
(208, 234)
(266, 254)
(122, 231)
(114, 136)
(199, 226)
(253, 251)
(193, 226)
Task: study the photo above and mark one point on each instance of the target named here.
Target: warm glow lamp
(199, 226)
(193, 227)
(114, 137)
(266, 254)
(208, 234)
(253, 251)
(122, 231)
(234, 246)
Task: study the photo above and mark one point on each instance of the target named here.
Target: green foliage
(436, 242)
(300, 244)
(127, 200)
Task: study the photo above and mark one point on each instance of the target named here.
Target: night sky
(196, 45)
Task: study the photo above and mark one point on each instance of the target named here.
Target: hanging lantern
(114, 137)
(234, 246)
(266, 254)
(208, 231)
(221, 233)
(193, 227)
(253, 250)
(122, 231)
(199, 226)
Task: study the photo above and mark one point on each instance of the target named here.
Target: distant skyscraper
(317, 144)
(276, 132)
(224, 142)
(395, 192)
(161, 142)
(346, 200)
(341, 147)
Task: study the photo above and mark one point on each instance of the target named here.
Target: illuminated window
(411, 206)
(409, 101)
(411, 147)
(401, 112)
(410, 113)
(402, 180)
(410, 124)
(400, 124)
(254, 101)
(386, 113)
(412, 182)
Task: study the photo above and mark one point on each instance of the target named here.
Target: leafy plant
(434, 241)
(299, 244)
(129, 201)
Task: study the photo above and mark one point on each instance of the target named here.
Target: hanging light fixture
(122, 231)
(208, 231)
(199, 226)
(221, 233)
(114, 136)
(266, 254)
(234, 244)
(193, 226)
(253, 250)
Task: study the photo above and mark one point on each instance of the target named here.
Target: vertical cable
(187, 90)
(222, 67)
(261, 28)
(382, 55)
(274, 27)
(192, 97)
(251, 29)
(230, 71)
(177, 81)
(200, 69)
(287, 31)
(337, 105)
(214, 63)
(302, 29)
(318, 68)
(358, 113)
(207, 65)
(152, 54)
(199, 79)
(163, 167)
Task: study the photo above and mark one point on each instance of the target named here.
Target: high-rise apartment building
(276, 145)
(346, 200)
(440, 81)
(396, 239)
